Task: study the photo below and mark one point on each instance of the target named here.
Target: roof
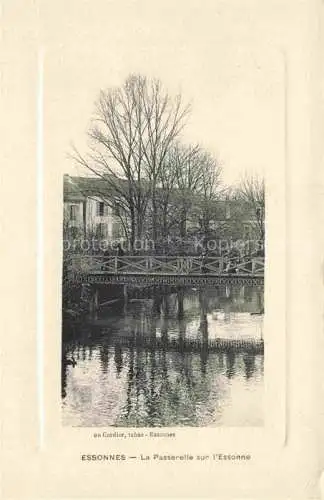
(71, 190)
(80, 188)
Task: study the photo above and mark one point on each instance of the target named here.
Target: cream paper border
(284, 457)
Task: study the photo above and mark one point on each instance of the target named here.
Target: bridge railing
(154, 264)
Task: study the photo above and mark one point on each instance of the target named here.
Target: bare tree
(131, 132)
(165, 119)
(166, 188)
(252, 192)
(188, 181)
(209, 191)
(198, 180)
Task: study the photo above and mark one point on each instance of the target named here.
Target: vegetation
(136, 148)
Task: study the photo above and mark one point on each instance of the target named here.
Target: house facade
(87, 212)
(91, 212)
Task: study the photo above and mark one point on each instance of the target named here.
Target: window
(100, 208)
(227, 211)
(73, 212)
(101, 230)
(74, 232)
(117, 231)
(258, 212)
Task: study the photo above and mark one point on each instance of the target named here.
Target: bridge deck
(102, 277)
(167, 270)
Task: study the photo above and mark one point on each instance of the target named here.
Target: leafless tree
(252, 192)
(209, 191)
(165, 118)
(166, 193)
(188, 181)
(198, 179)
(133, 127)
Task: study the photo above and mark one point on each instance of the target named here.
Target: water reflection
(180, 357)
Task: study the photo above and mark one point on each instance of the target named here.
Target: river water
(155, 361)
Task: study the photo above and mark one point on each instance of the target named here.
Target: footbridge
(168, 270)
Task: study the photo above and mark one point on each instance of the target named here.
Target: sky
(236, 90)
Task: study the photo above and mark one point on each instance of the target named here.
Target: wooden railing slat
(153, 264)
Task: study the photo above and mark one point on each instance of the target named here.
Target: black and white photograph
(164, 238)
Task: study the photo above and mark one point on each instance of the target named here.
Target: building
(89, 209)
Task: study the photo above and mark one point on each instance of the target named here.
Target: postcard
(162, 335)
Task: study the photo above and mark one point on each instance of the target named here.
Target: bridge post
(125, 293)
(180, 296)
(91, 304)
(94, 302)
(164, 321)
